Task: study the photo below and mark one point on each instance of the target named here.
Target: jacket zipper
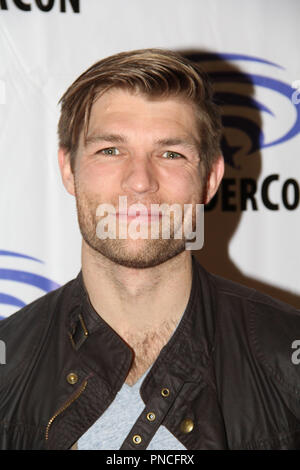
(64, 407)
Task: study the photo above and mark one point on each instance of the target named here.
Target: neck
(133, 299)
(142, 305)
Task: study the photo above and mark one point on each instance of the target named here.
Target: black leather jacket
(225, 380)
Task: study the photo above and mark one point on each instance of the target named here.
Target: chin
(140, 254)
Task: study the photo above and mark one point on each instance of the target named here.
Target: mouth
(147, 217)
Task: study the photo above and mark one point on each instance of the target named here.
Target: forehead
(127, 111)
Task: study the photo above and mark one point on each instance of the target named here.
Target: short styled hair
(152, 72)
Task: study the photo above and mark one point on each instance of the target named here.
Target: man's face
(146, 150)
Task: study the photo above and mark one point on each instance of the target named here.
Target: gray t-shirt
(112, 428)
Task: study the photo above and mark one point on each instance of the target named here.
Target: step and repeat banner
(251, 52)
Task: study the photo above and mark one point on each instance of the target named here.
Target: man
(145, 349)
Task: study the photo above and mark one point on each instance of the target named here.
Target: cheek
(94, 179)
(186, 186)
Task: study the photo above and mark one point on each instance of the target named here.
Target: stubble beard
(137, 254)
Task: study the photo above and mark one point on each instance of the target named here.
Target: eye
(172, 155)
(109, 151)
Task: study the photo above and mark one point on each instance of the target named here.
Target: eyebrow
(190, 143)
(114, 138)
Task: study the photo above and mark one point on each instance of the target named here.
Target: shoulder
(238, 295)
(35, 312)
(23, 332)
(270, 327)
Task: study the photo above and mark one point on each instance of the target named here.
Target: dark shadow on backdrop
(241, 149)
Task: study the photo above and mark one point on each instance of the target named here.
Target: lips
(140, 215)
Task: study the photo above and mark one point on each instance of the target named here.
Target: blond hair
(152, 72)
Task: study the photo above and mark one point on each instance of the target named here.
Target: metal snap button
(186, 426)
(72, 378)
(151, 416)
(137, 439)
(165, 392)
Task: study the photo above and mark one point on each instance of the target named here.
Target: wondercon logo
(20, 281)
(257, 107)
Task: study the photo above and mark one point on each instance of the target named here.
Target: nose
(139, 176)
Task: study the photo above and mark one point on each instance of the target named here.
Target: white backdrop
(42, 52)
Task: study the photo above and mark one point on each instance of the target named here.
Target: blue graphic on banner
(24, 277)
(231, 98)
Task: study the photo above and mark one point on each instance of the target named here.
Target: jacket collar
(185, 356)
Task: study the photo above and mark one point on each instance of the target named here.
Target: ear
(214, 178)
(66, 171)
